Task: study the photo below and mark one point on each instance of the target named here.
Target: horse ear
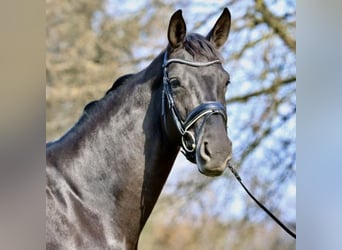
(219, 33)
(177, 30)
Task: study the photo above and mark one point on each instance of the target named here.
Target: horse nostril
(206, 149)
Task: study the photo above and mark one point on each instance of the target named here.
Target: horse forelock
(199, 46)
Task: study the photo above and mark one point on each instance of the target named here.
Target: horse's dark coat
(105, 174)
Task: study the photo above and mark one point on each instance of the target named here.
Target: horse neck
(149, 155)
(122, 163)
(159, 152)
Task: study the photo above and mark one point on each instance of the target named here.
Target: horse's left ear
(219, 33)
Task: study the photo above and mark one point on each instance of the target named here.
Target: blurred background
(91, 43)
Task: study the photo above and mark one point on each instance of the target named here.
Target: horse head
(194, 87)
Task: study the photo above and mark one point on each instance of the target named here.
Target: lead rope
(237, 176)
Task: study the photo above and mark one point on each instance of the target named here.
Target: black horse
(105, 174)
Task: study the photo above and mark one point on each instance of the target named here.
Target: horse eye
(174, 83)
(228, 82)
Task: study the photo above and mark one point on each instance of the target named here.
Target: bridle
(204, 110)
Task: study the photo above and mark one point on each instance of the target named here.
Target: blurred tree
(91, 43)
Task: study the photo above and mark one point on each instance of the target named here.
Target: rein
(206, 109)
(282, 225)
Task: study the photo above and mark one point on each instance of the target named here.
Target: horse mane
(198, 45)
(119, 82)
(93, 109)
(195, 44)
(88, 108)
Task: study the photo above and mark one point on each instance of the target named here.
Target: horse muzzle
(215, 148)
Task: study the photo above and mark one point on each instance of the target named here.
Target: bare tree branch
(262, 135)
(249, 45)
(276, 24)
(264, 91)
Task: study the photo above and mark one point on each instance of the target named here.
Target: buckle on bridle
(188, 142)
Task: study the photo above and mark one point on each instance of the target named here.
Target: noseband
(206, 109)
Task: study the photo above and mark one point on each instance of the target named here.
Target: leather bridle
(204, 110)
